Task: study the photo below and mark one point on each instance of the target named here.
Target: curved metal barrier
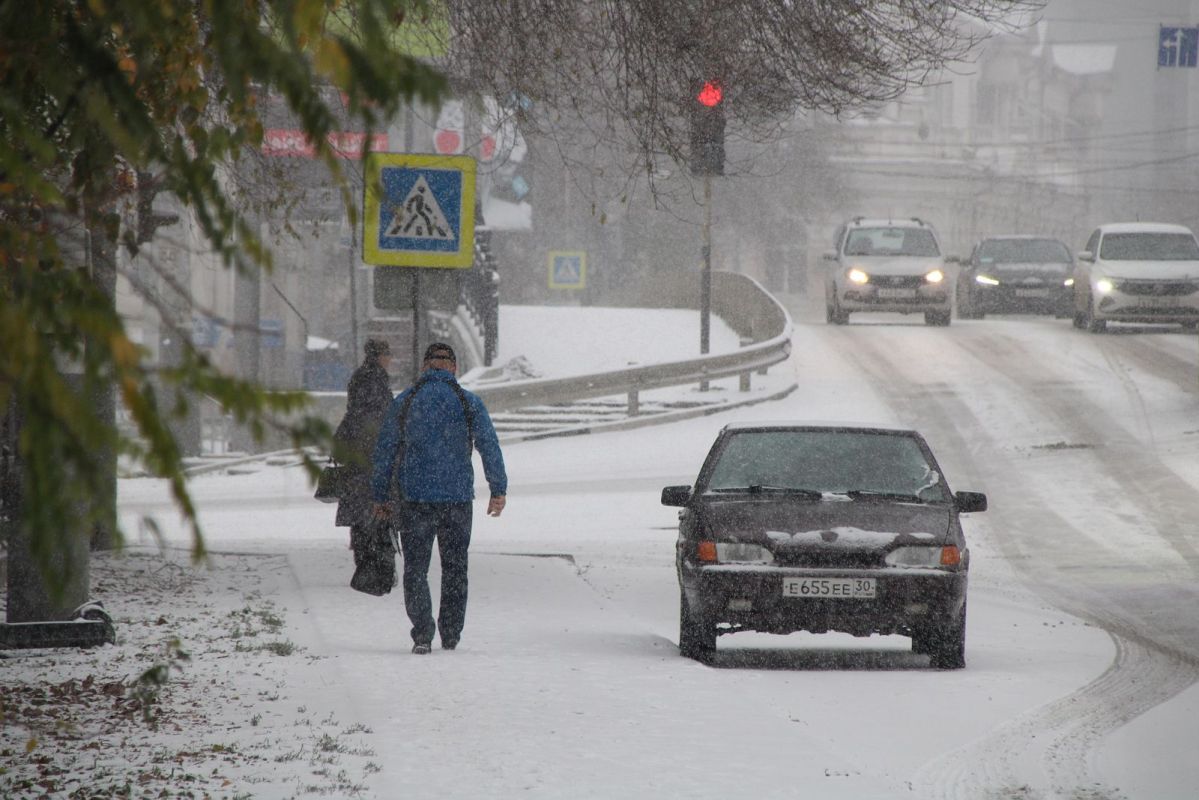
(743, 304)
(764, 325)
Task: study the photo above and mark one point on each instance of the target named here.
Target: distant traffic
(1134, 272)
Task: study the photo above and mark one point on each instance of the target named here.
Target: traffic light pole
(705, 286)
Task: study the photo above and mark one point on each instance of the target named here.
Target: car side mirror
(1086, 255)
(676, 496)
(968, 502)
(830, 255)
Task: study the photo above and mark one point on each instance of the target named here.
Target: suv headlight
(856, 275)
(916, 556)
(743, 553)
(1104, 286)
(986, 280)
(934, 276)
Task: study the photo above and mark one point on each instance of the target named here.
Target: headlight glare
(858, 276)
(1104, 286)
(934, 276)
(1068, 282)
(986, 280)
(743, 553)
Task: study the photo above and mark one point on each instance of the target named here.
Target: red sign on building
(293, 143)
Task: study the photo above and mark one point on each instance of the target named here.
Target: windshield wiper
(859, 494)
(761, 488)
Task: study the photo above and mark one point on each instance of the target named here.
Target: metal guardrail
(739, 300)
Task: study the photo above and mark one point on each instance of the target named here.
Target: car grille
(816, 558)
(1151, 311)
(1158, 288)
(897, 281)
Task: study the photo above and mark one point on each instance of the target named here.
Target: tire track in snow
(1142, 473)
(1061, 737)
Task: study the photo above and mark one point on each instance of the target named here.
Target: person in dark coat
(368, 397)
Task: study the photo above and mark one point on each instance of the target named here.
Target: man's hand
(381, 510)
(496, 505)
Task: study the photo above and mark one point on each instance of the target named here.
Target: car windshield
(1023, 251)
(1149, 247)
(891, 242)
(831, 461)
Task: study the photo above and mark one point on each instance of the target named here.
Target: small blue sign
(567, 269)
(206, 332)
(270, 333)
(1178, 47)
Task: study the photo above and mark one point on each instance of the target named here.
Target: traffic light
(707, 130)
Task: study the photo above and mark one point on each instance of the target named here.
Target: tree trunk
(104, 276)
(29, 598)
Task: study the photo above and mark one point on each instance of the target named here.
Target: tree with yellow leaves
(103, 104)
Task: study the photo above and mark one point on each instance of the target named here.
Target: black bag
(331, 483)
(375, 556)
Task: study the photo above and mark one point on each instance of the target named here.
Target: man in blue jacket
(424, 479)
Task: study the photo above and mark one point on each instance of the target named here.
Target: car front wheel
(834, 314)
(697, 638)
(944, 644)
(966, 307)
(1090, 322)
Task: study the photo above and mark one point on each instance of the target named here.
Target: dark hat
(440, 350)
(377, 347)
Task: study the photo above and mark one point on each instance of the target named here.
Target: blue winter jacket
(437, 460)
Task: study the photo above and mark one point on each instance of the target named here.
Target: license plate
(1161, 302)
(896, 292)
(830, 588)
(1032, 293)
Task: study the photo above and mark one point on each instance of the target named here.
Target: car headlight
(1068, 282)
(743, 553)
(858, 276)
(986, 280)
(916, 556)
(1104, 286)
(934, 276)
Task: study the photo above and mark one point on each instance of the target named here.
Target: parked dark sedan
(1016, 274)
(816, 527)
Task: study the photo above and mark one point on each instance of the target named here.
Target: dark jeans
(449, 524)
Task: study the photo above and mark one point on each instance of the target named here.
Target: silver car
(888, 265)
(1137, 272)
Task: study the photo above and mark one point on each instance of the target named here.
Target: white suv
(888, 265)
(1137, 272)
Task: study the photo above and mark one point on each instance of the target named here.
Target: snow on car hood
(895, 265)
(848, 538)
(1021, 269)
(857, 524)
(1148, 270)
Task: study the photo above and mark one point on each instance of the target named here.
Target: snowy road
(1082, 644)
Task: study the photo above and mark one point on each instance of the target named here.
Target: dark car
(1016, 275)
(816, 527)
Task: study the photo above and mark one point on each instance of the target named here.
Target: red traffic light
(710, 95)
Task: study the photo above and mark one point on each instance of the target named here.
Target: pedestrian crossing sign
(419, 210)
(568, 269)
